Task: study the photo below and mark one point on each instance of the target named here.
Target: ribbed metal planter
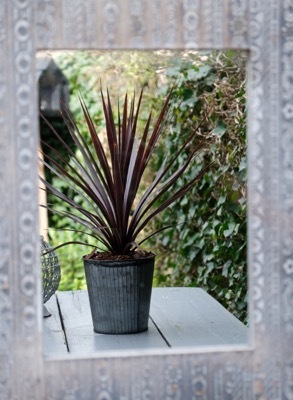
(120, 294)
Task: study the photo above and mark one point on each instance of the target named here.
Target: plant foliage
(108, 174)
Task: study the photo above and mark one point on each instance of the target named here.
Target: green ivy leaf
(231, 226)
(198, 72)
(220, 129)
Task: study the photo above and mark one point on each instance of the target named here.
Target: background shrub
(207, 246)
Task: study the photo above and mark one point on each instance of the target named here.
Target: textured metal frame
(264, 368)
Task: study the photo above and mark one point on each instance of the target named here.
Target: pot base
(122, 333)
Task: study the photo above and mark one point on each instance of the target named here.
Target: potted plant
(108, 176)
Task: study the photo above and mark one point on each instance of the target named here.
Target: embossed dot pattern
(26, 153)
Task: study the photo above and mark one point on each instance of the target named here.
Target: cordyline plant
(108, 179)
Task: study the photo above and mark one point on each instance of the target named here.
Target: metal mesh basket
(50, 270)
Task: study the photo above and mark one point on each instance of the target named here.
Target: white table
(178, 317)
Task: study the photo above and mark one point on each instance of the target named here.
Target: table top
(178, 317)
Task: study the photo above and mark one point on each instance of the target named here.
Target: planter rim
(118, 261)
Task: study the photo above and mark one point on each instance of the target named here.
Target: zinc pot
(120, 294)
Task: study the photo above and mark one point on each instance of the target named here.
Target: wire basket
(50, 270)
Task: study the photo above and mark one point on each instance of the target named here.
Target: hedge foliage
(207, 246)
